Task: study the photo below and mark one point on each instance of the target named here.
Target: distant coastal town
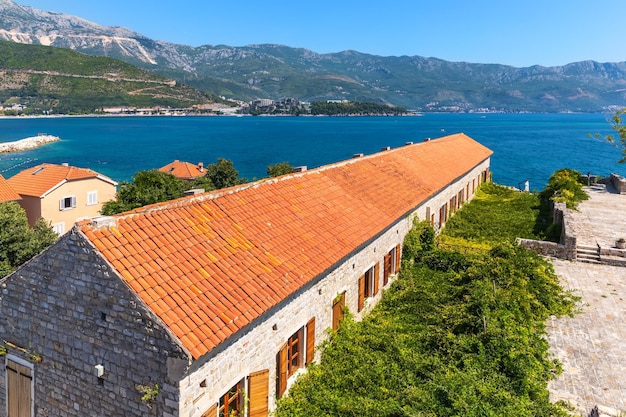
(284, 107)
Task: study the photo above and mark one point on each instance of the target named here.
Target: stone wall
(566, 248)
(68, 308)
(619, 183)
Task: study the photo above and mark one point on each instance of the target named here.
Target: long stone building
(212, 304)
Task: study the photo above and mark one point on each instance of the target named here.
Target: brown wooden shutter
(259, 390)
(19, 389)
(281, 371)
(211, 412)
(398, 257)
(387, 268)
(310, 341)
(361, 300)
(376, 277)
(338, 309)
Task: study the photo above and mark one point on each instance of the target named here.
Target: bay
(526, 146)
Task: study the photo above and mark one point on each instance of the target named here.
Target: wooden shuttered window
(310, 341)
(339, 306)
(259, 391)
(293, 355)
(387, 268)
(376, 277)
(361, 299)
(281, 371)
(19, 390)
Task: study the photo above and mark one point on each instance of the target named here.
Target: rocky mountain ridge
(276, 71)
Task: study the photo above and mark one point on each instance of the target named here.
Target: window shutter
(310, 341)
(73, 203)
(376, 277)
(387, 268)
(281, 371)
(338, 310)
(398, 257)
(61, 204)
(361, 300)
(259, 391)
(211, 412)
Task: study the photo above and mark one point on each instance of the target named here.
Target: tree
(19, 242)
(148, 187)
(617, 124)
(223, 174)
(279, 169)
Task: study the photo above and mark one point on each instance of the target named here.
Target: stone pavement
(592, 345)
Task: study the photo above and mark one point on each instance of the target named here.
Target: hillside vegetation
(65, 81)
(457, 334)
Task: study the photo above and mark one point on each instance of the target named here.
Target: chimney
(427, 140)
(386, 148)
(194, 191)
(357, 155)
(201, 166)
(301, 168)
(409, 143)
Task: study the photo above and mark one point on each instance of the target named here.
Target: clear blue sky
(520, 33)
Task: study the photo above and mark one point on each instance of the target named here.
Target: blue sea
(526, 146)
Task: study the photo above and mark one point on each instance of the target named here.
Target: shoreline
(27, 143)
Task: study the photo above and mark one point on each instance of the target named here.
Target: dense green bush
(467, 340)
(566, 186)
(496, 215)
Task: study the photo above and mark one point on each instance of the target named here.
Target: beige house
(62, 194)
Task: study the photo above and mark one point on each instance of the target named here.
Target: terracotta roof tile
(41, 179)
(211, 264)
(184, 170)
(7, 193)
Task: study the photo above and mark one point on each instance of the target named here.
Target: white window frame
(72, 201)
(59, 228)
(92, 198)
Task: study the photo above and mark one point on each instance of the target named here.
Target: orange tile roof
(42, 179)
(184, 170)
(209, 265)
(6, 192)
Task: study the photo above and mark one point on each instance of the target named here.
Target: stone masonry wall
(256, 350)
(69, 308)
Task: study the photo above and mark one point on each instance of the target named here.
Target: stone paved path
(592, 345)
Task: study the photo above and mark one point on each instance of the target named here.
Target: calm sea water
(526, 146)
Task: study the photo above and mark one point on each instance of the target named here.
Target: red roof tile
(41, 179)
(184, 170)
(249, 247)
(7, 193)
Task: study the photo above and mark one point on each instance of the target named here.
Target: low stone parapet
(550, 249)
(619, 183)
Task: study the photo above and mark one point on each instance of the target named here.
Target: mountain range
(278, 71)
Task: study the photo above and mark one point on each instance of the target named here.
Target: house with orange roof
(213, 304)
(184, 170)
(6, 192)
(62, 194)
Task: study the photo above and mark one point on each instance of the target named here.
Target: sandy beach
(27, 143)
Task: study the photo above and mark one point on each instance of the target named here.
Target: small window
(368, 285)
(58, 228)
(92, 198)
(67, 203)
(231, 403)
